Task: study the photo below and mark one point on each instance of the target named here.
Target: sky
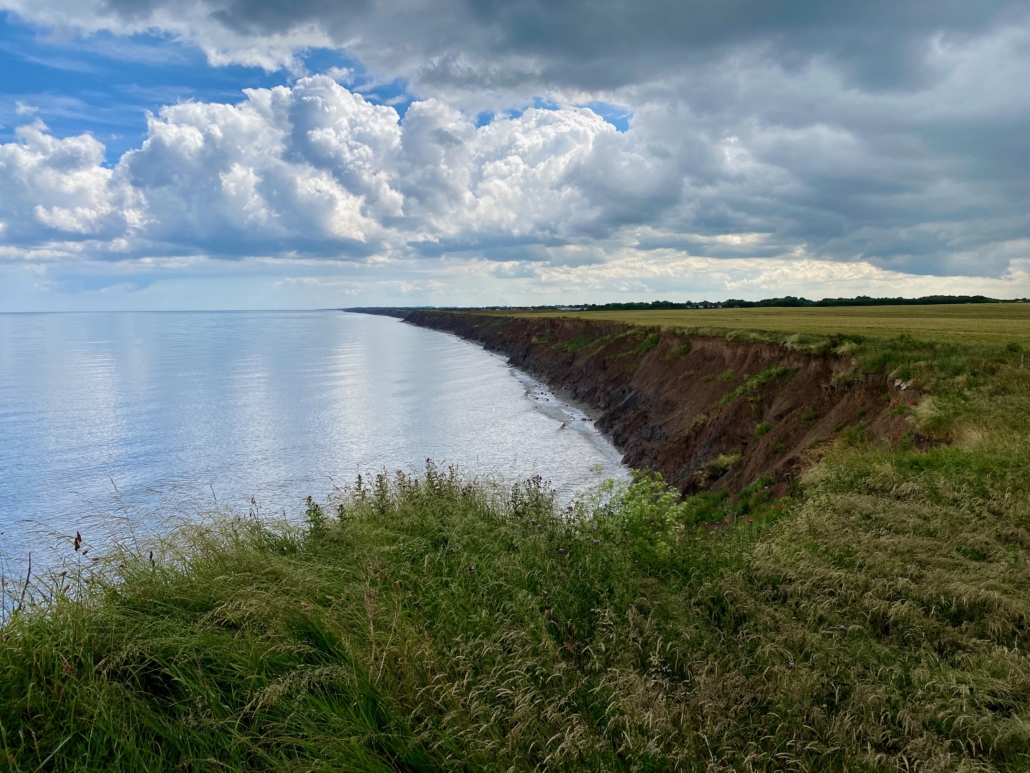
(251, 154)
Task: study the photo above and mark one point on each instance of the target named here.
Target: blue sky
(279, 155)
(105, 84)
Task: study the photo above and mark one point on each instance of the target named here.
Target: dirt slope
(707, 413)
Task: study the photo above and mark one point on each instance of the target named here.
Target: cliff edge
(705, 412)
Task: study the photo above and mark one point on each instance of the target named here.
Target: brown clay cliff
(706, 412)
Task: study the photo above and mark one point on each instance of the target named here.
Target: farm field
(994, 323)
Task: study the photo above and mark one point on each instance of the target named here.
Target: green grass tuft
(753, 383)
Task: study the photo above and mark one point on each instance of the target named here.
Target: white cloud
(54, 189)
(310, 170)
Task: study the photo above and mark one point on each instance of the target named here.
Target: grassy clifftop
(876, 621)
(981, 324)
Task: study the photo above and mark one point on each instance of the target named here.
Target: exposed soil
(684, 405)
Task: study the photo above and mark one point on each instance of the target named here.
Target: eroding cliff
(706, 412)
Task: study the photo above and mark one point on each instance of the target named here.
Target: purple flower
(597, 542)
(561, 551)
(790, 665)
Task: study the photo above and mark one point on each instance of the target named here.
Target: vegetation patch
(649, 343)
(428, 623)
(750, 336)
(678, 351)
(753, 383)
(857, 434)
(583, 341)
(721, 464)
(696, 423)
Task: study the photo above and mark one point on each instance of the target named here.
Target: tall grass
(419, 623)
(434, 623)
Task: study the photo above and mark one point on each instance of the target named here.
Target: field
(1000, 323)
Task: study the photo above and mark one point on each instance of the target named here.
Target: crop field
(989, 323)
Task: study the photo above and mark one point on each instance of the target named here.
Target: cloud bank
(892, 137)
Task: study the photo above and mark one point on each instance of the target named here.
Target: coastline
(704, 411)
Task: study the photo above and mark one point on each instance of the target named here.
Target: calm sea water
(129, 412)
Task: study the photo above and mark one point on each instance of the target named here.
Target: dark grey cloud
(606, 44)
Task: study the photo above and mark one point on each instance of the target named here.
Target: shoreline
(704, 411)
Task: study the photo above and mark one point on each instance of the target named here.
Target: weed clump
(678, 351)
(649, 344)
(695, 424)
(720, 464)
(753, 383)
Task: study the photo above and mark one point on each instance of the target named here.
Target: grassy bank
(876, 621)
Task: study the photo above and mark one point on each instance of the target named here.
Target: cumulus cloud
(312, 170)
(57, 190)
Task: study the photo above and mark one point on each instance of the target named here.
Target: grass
(678, 351)
(752, 383)
(424, 623)
(696, 423)
(878, 620)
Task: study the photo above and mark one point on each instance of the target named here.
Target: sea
(113, 423)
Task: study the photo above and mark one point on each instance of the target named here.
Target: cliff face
(707, 413)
